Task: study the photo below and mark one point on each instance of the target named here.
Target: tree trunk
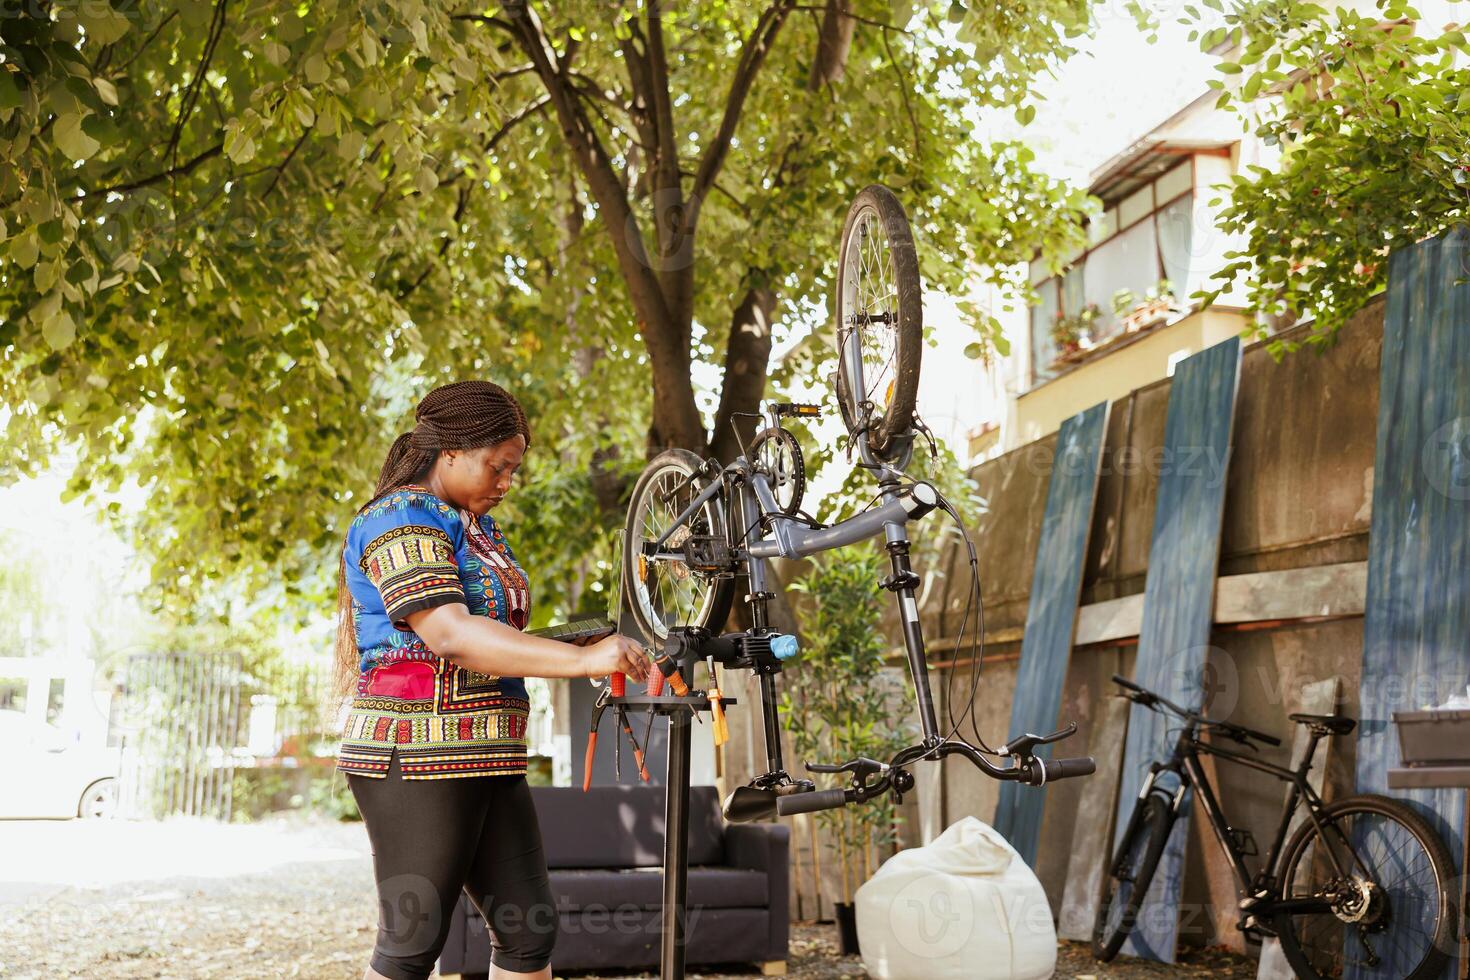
(747, 357)
(833, 44)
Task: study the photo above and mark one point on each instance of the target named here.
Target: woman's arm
(491, 647)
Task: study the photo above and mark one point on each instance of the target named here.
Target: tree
(240, 240)
(1371, 117)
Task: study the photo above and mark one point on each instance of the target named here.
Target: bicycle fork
(903, 581)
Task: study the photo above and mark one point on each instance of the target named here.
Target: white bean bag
(964, 907)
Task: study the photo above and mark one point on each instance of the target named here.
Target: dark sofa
(604, 849)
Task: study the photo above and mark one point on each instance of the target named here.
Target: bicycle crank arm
(1306, 905)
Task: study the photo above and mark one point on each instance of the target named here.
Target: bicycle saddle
(1331, 724)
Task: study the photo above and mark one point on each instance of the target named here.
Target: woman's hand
(617, 653)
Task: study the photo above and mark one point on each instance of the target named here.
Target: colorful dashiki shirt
(406, 552)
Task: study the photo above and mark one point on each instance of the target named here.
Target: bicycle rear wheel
(667, 592)
(880, 323)
(1130, 874)
(1394, 915)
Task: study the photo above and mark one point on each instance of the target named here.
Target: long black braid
(462, 415)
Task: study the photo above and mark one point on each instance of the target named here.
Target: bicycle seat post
(745, 506)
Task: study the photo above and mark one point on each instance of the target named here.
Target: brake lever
(861, 766)
(1021, 747)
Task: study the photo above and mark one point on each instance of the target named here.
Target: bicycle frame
(754, 505)
(1185, 763)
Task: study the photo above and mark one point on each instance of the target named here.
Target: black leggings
(432, 837)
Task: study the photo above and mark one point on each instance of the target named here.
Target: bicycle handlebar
(821, 799)
(1044, 771)
(1147, 698)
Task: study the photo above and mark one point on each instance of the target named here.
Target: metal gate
(181, 725)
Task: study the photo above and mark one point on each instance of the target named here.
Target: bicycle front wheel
(1390, 880)
(880, 323)
(666, 592)
(1130, 874)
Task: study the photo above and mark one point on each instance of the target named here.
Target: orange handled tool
(669, 669)
(637, 750)
(597, 710)
(717, 709)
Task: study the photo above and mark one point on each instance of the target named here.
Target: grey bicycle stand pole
(676, 845)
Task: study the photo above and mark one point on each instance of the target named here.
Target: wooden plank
(1090, 847)
(1256, 597)
(1179, 596)
(1051, 614)
(1417, 615)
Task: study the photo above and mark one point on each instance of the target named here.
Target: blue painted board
(1416, 624)
(1178, 605)
(1051, 615)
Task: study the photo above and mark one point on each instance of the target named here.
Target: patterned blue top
(406, 552)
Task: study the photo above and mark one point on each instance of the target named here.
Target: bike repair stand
(680, 713)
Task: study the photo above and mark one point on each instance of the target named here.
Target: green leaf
(59, 330)
(315, 69)
(104, 25)
(106, 90)
(10, 95)
(351, 144)
(1025, 114)
(72, 140)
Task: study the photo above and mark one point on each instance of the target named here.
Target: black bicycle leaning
(1363, 884)
(696, 527)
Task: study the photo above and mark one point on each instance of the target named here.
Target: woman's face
(477, 479)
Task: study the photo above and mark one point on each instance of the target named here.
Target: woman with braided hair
(432, 604)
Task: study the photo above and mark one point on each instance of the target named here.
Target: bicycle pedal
(706, 553)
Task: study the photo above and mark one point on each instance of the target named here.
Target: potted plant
(838, 704)
(1073, 333)
(1124, 300)
(1157, 305)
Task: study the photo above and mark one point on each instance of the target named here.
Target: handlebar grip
(821, 799)
(1044, 771)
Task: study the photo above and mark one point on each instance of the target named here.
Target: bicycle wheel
(667, 592)
(880, 323)
(777, 453)
(1395, 912)
(1130, 874)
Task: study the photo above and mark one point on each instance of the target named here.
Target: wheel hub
(1359, 902)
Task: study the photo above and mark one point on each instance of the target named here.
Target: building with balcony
(1117, 314)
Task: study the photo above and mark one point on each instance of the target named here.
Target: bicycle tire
(793, 475)
(891, 432)
(1441, 944)
(1148, 833)
(670, 465)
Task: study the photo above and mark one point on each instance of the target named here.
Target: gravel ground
(186, 899)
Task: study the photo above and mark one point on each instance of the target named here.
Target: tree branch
(191, 94)
(871, 22)
(752, 56)
(286, 162)
(179, 171)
